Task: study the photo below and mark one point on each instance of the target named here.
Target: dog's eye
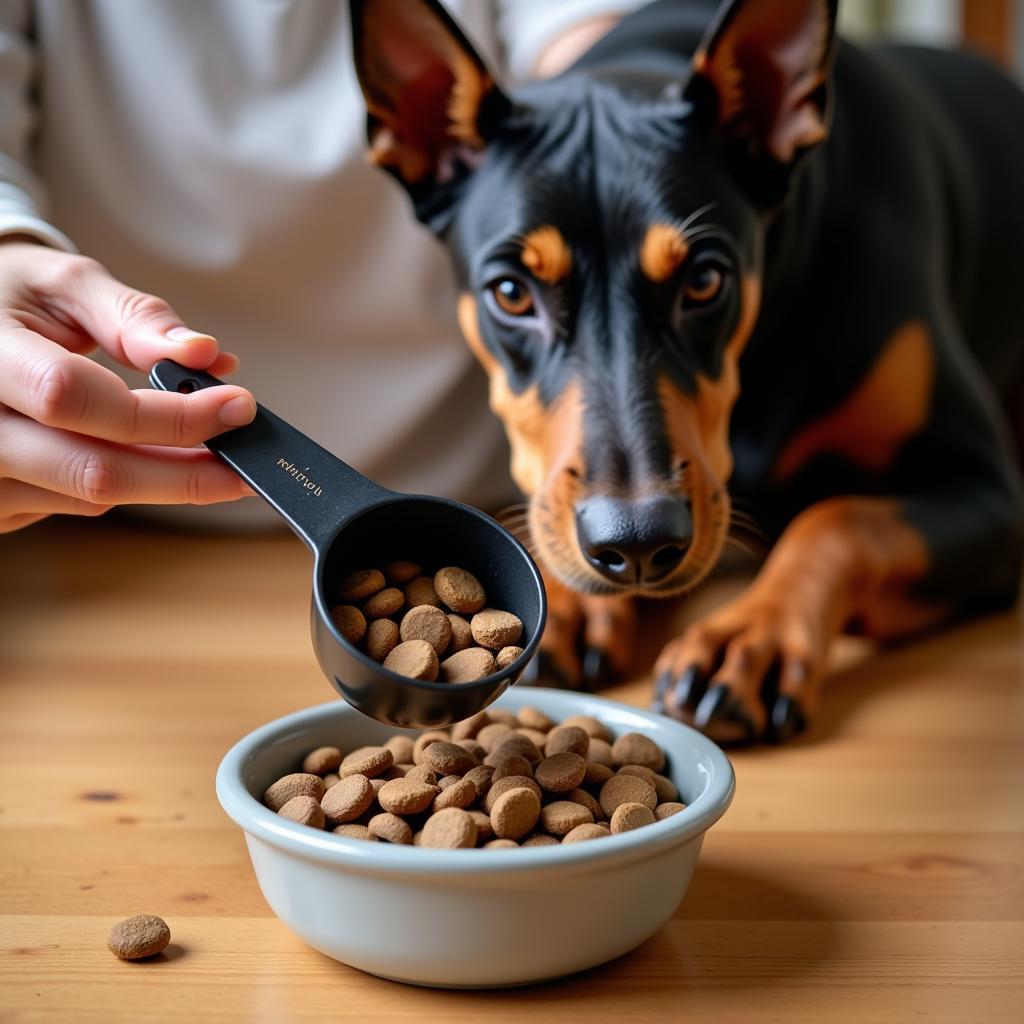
(512, 296)
(702, 283)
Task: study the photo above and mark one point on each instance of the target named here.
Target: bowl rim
(384, 858)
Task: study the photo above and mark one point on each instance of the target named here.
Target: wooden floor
(871, 871)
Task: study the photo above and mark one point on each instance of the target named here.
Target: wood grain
(874, 869)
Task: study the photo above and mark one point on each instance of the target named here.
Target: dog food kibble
(382, 637)
(421, 591)
(459, 590)
(626, 789)
(383, 611)
(515, 813)
(373, 762)
(350, 621)
(415, 659)
(467, 665)
(561, 773)
(495, 781)
(322, 761)
(506, 656)
(567, 738)
(591, 726)
(450, 828)
(581, 832)
(388, 601)
(635, 748)
(390, 828)
(424, 622)
(298, 784)
(630, 816)
(305, 810)
(495, 629)
(359, 585)
(139, 937)
(666, 810)
(462, 635)
(347, 800)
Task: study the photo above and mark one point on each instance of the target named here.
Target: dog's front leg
(588, 641)
(755, 666)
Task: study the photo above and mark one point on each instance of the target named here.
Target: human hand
(74, 438)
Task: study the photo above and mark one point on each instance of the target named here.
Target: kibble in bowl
(559, 891)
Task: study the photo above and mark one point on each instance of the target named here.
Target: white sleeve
(526, 27)
(22, 196)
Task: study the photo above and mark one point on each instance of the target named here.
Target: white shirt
(211, 152)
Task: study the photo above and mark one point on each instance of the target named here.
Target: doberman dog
(716, 197)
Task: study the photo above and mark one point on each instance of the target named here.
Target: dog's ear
(761, 78)
(431, 103)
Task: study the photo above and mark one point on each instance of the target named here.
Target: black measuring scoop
(352, 523)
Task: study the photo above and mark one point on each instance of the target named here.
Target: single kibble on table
(322, 760)
(415, 659)
(495, 629)
(421, 591)
(459, 590)
(350, 621)
(361, 584)
(139, 937)
(424, 622)
(388, 601)
(506, 656)
(468, 665)
(462, 636)
(382, 637)
(399, 573)
(304, 810)
(433, 790)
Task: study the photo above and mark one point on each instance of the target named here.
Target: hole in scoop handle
(312, 489)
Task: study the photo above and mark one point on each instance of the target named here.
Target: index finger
(57, 388)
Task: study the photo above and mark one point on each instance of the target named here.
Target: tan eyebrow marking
(546, 254)
(662, 252)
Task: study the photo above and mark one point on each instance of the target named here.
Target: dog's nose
(635, 542)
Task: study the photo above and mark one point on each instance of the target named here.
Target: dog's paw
(587, 642)
(750, 669)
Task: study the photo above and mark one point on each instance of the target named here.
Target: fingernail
(690, 689)
(183, 334)
(237, 411)
(788, 719)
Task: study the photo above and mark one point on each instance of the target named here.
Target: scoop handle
(309, 487)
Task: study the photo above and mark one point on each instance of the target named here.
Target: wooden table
(871, 871)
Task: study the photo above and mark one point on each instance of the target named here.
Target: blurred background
(995, 27)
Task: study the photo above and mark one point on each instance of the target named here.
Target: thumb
(135, 328)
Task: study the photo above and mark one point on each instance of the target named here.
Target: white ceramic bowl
(472, 918)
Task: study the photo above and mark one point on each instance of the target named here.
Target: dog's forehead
(598, 164)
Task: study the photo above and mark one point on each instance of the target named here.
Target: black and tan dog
(727, 249)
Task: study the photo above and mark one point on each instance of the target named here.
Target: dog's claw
(720, 706)
(787, 720)
(543, 670)
(597, 668)
(690, 689)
